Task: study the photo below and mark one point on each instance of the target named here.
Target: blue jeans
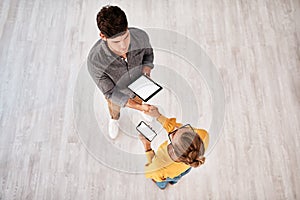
(172, 181)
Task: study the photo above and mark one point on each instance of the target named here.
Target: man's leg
(114, 110)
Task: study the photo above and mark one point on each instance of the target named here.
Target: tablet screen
(144, 87)
(145, 130)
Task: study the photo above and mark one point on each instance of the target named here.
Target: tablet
(144, 87)
(146, 131)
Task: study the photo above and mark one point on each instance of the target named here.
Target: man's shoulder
(138, 35)
(137, 32)
(98, 53)
(139, 38)
(96, 49)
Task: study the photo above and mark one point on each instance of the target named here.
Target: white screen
(147, 132)
(143, 87)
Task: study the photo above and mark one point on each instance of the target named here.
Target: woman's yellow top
(160, 165)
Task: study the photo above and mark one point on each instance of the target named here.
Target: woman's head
(188, 147)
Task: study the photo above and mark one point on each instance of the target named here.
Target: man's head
(113, 26)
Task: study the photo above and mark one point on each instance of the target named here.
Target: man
(118, 58)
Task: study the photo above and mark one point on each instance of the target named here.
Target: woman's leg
(174, 180)
(162, 185)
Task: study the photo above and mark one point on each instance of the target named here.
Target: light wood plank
(253, 44)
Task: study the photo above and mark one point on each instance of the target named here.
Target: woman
(174, 160)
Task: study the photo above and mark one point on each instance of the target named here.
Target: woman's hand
(146, 143)
(153, 112)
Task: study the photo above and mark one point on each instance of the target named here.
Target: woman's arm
(168, 123)
(152, 167)
(148, 150)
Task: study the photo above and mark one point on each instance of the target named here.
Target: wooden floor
(254, 45)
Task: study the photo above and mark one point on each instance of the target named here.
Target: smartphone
(146, 131)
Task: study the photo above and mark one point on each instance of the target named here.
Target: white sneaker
(113, 128)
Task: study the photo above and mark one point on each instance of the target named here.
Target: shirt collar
(108, 52)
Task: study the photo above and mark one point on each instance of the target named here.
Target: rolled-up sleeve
(148, 58)
(169, 124)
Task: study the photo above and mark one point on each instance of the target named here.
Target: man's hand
(133, 104)
(146, 107)
(153, 112)
(146, 70)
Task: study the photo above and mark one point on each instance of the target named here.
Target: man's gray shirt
(112, 74)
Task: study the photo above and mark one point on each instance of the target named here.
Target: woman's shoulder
(203, 135)
(163, 145)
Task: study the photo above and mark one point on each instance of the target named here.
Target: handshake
(150, 110)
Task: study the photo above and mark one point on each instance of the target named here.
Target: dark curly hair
(111, 21)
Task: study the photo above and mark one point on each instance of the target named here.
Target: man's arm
(102, 80)
(133, 104)
(147, 70)
(148, 58)
(148, 61)
(110, 91)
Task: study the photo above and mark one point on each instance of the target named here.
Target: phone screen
(146, 131)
